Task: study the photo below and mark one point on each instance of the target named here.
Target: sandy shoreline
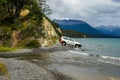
(56, 63)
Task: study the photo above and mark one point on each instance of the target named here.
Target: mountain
(79, 26)
(110, 30)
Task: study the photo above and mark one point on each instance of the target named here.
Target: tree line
(14, 7)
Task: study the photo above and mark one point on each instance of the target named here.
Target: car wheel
(77, 46)
(64, 43)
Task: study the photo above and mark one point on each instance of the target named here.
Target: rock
(24, 70)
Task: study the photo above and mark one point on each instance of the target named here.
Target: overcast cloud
(94, 12)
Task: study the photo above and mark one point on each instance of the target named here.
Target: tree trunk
(14, 40)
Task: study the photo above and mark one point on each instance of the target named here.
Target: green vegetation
(74, 34)
(21, 22)
(15, 27)
(2, 9)
(3, 69)
(33, 44)
(7, 49)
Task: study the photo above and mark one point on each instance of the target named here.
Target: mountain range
(109, 30)
(80, 26)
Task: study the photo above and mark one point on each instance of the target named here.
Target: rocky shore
(56, 63)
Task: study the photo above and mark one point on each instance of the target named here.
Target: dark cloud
(116, 0)
(95, 12)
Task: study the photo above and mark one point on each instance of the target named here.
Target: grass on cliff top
(7, 49)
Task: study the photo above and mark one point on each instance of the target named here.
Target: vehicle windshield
(68, 38)
(72, 40)
(64, 37)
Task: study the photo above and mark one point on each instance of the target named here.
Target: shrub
(54, 39)
(33, 44)
(3, 69)
(7, 43)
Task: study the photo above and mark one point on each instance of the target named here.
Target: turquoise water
(101, 46)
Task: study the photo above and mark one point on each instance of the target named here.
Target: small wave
(100, 45)
(77, 52)
(110, 60)
(103, 59)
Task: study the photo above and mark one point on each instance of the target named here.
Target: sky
(94, 12)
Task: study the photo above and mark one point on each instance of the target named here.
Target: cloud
(95, 12)
(116, 0)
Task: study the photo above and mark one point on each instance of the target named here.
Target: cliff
(50, 34)
(28, 27)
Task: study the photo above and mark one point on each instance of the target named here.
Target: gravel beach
(56, 63)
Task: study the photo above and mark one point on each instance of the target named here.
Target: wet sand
(56, 63)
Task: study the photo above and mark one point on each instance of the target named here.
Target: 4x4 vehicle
(68, 41)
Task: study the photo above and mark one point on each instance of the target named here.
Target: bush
(3, 69)
(33, 44)
(7, 43)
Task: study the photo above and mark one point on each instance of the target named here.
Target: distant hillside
(79, 26)
(74, 34)
(110, 30)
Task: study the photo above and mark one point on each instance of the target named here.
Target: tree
(45, 7)
(14, 7)
(17, 5)
(2, 8)
(14, 28)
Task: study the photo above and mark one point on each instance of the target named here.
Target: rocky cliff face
(49, 32)
(50, 35)
(27, 28)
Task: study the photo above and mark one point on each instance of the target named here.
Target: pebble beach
(56, 63)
